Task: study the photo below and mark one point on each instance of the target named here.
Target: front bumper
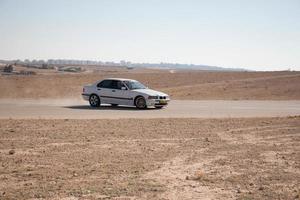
(157, 102)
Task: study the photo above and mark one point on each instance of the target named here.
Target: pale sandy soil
(195, 85)
(150, 159)
(170, 158)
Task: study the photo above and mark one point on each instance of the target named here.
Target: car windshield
(133, 85)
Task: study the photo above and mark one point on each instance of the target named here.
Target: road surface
(77, 109)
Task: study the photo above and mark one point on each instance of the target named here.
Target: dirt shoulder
(254, 158)
(189, 85)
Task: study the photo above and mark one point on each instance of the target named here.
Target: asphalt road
(77, 109)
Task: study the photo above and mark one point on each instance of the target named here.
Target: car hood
(150, 92)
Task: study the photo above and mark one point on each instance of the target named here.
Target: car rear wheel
(94, 100)
(140, 103)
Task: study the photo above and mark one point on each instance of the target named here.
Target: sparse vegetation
(8, 69)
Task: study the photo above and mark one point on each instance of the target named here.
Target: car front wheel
(94, 100)
(140, 103)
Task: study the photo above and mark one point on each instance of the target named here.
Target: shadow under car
(107, 107)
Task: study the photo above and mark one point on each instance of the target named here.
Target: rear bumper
(85, 96)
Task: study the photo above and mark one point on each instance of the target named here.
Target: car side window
(116, 85)
(120, 84)
(105, 84)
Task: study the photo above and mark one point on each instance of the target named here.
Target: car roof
(120, 79)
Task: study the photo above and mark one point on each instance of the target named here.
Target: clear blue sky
(255, 34)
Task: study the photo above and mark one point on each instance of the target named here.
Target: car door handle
(113, 90)
(98, 89)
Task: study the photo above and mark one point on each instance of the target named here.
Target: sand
(226, 142)
(185, 85)
(254, 158)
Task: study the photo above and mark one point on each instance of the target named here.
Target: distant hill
(67, 62)
(186, 66)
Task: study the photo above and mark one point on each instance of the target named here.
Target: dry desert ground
(169, 158)
(150, 159)
(189, 85)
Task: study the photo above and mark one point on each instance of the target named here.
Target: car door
(120, 93)
(104, 91)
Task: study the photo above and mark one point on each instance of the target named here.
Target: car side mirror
(123, 88)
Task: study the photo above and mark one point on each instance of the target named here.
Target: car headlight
(152, 97)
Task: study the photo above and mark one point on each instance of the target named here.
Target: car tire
(140, 102)
(94, 100)
(158, 107)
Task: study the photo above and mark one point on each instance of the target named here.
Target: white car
(119, 91)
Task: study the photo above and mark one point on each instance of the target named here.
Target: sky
(253, 34)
